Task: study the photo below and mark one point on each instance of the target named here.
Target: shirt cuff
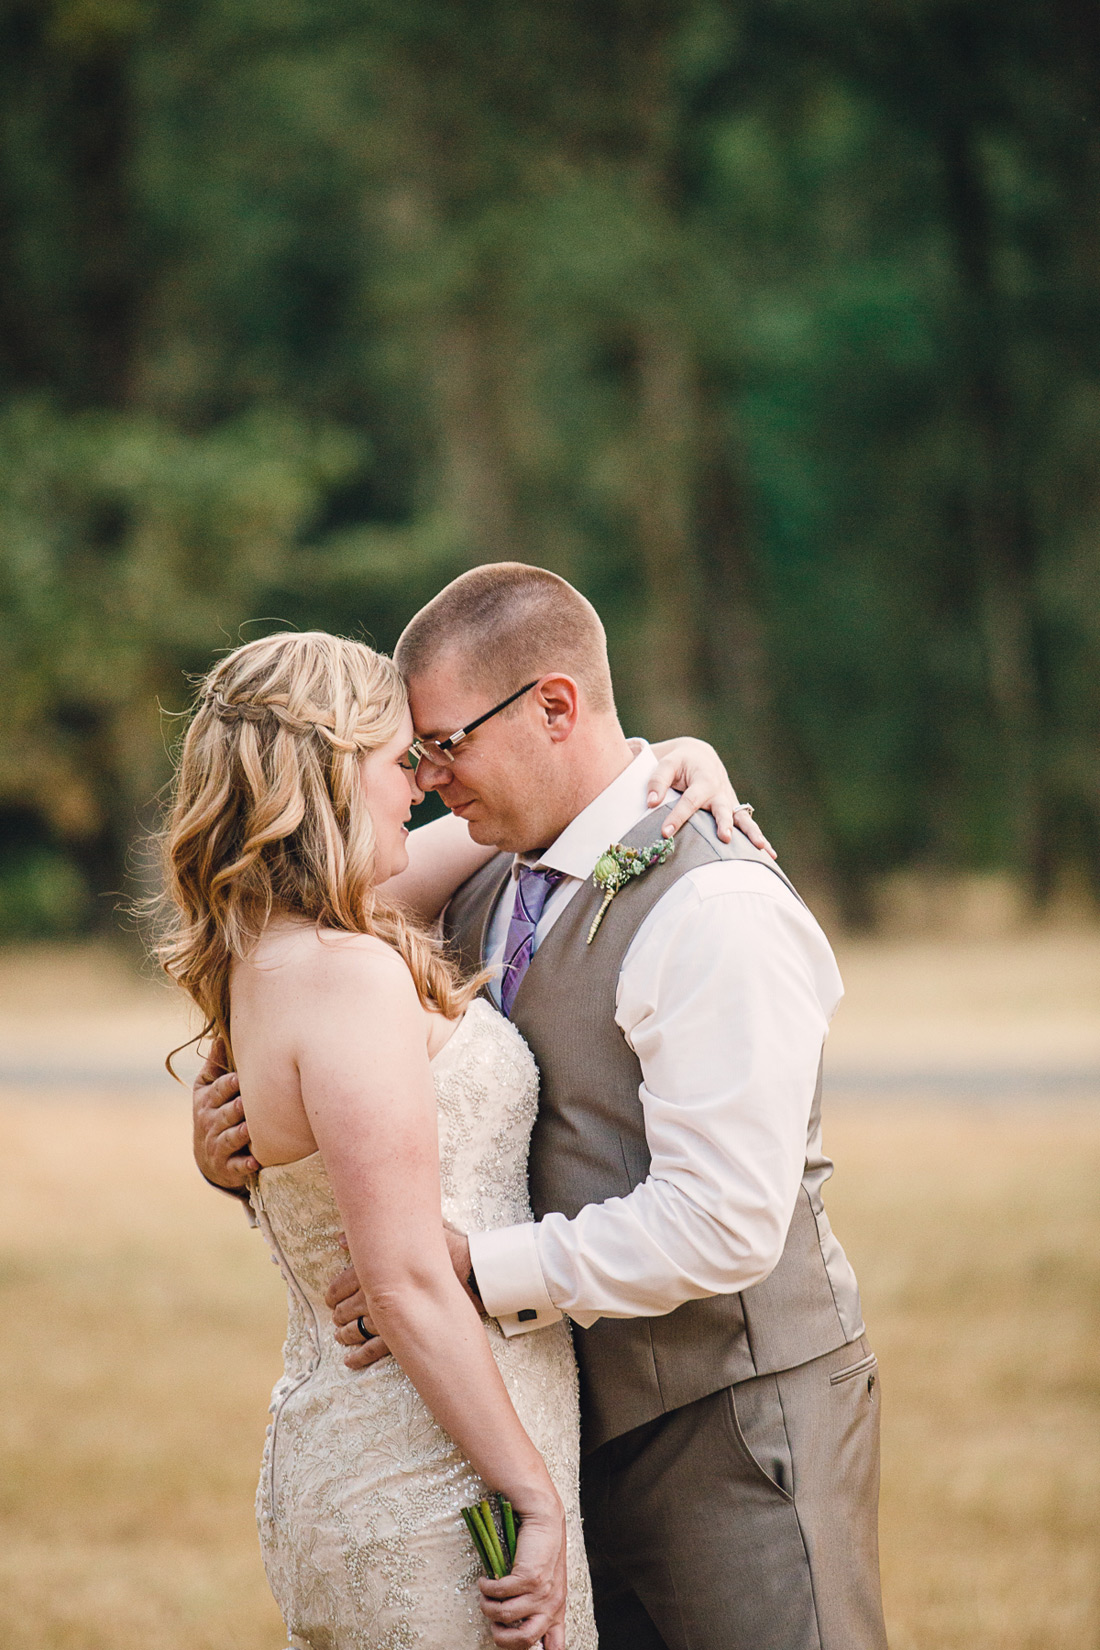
(505, 1265)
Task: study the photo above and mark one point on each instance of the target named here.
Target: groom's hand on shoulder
(220, 1132)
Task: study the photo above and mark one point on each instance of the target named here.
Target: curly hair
(267, 816)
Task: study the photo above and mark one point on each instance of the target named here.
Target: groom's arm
(725, 997)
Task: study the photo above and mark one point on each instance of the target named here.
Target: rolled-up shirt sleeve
(725, 997)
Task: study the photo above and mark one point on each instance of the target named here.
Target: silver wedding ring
(744, 808)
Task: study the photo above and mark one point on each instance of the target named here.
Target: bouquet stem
(496, 1555)
(508, 1518)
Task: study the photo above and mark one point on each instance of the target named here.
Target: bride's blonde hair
(268, 816)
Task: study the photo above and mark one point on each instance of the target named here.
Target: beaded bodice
(487, 1095)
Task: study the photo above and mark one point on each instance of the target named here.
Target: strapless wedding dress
(360, 1490)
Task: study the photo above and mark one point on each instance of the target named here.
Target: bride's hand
(695, 768)
(529, 1604)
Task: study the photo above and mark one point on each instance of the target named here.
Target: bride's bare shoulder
(300, 954)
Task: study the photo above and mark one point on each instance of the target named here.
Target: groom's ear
(557, 700)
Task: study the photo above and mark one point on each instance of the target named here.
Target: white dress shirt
(725, 996)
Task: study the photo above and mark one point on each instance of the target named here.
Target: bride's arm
(443, 854)
(695, 768)
(366, 1085)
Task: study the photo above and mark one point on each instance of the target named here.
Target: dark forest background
(773, 325)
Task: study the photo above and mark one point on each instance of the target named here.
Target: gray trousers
(745, 1521)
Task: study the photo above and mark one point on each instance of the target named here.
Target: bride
(384, 1098)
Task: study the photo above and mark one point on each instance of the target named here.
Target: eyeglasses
(440, 752)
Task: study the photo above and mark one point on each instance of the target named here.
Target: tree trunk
(998, 525)
(663, 499)
(666, 469)
(100, 144)
(477, 470)
(436, 177)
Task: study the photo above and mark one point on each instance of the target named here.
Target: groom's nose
(432, 776)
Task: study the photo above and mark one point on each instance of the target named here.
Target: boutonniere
(616, 867)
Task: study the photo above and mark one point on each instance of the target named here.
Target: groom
(729, 1398)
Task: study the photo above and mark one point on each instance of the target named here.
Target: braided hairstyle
(267, 816)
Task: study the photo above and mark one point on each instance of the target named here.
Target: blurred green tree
(123, 544)
(774, 326)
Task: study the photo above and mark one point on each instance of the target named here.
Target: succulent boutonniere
(618, 864)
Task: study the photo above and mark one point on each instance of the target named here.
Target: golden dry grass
(142, 1328)
(142, 1323)
(976, 1236)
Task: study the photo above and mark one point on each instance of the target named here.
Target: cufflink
(526, 1315)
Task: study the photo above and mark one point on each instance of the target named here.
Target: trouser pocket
(756, 1415)
(866, 1367)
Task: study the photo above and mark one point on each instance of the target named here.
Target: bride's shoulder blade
(302, 955)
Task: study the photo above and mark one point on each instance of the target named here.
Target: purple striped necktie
(533, 888)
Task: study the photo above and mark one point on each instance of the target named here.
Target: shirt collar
(606, 819)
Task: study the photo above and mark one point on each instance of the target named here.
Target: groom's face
(503, 778)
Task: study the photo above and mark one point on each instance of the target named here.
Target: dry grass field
(142, 1322)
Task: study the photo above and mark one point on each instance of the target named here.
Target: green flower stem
(474, 1527)
(496, 1559)
(493, 1539)
(508, 1518)
(488, 1557)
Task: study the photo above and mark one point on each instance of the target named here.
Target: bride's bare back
(279, 997)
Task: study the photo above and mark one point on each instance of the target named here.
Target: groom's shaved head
(508, 623)
(487, 635)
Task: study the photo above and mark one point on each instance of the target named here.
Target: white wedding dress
(360, 1496)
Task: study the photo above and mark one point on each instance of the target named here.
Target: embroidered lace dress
(360, 1490)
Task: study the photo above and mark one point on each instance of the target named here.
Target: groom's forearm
(641, 1256)
(728, 1028)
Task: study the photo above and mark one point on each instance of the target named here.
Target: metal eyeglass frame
(424, 750)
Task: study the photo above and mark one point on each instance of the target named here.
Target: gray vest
(589, 1144)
